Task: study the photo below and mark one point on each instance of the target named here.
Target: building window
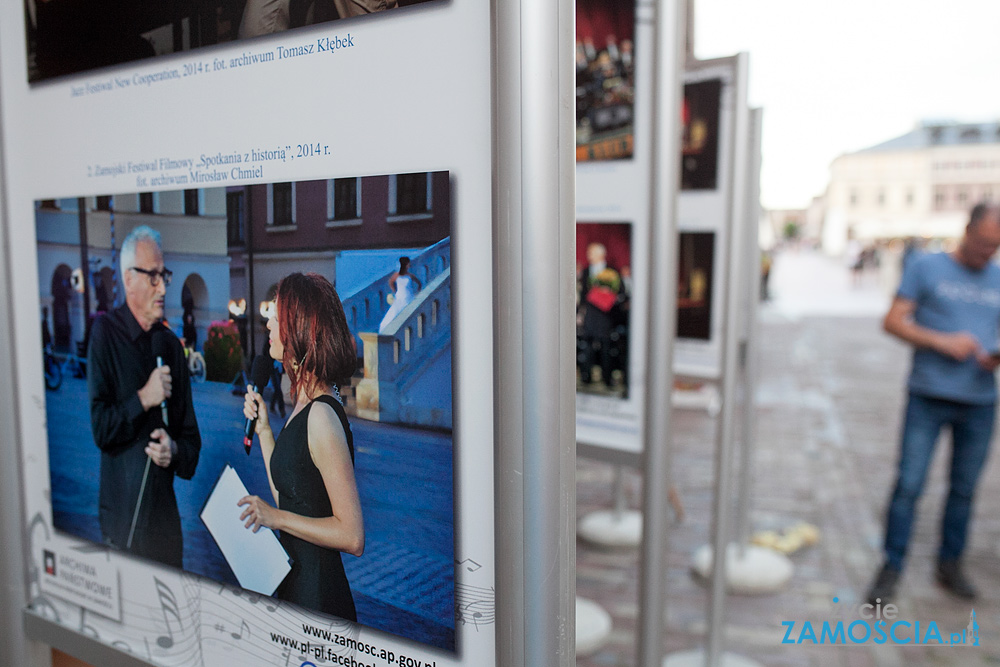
(909, 197)
(854, 197)
(881, 197)
(406, 338)
(193, 202)
(970, 134)
(962, 197)
(940, 198)
(343, 199)
(149, 202)
(420, 325)
(235, 219)
(411, 194)
(281, 204)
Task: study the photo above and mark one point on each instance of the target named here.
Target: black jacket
(120, 359)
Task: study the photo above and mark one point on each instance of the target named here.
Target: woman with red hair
(311, 464)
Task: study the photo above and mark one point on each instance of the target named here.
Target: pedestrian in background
(948, 309)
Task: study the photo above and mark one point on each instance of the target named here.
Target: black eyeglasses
(154, 276)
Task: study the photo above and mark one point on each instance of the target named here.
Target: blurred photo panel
(604, 294)
(605, 79)
(74, 36)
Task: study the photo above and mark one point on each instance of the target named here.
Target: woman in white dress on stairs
(404, 287)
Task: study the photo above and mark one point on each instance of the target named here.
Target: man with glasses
(140, 410)
(948, 309)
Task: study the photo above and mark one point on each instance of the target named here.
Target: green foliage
(791, 230)
(223, 354)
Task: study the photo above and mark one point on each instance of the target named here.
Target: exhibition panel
(614, 74)
(709, 170)
(250, 250)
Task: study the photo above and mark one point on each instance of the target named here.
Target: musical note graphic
(40, 603)
(472, 565)
(475, 606)
(168, 604)
(239, 635)
(253, 598)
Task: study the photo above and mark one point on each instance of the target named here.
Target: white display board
(609, 426)
(705, 208)
(616, 192)
(369, 98)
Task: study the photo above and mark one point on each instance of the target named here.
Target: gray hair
(142, 233)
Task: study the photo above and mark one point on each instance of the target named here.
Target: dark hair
(404, 264)
(979, 211)
(313, 330)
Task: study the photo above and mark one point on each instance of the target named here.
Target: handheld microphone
(259, 375)
(163, 403)
(158, 343)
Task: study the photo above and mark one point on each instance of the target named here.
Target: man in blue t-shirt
(948, 309)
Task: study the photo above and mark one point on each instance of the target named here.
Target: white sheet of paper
(258, 560)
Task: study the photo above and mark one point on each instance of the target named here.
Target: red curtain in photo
(596, 20)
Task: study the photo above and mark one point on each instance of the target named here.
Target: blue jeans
(971, 430)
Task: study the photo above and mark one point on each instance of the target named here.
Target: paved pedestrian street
(830, 406)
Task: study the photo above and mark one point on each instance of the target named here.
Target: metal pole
(667, 95)
(621, 502)
(534, 347)
(751, 358)
(731, 280)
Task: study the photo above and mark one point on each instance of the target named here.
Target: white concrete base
(697, 657)
(611, 529)
(761, 571)
(593, 626)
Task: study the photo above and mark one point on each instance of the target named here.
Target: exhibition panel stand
(670, 46)
(624, 61)
(750, 569)
(614, 123)
(419, 161)
(733, 279)
(754, 569)
(536, 475)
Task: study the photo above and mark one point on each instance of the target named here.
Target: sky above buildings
(835, 77)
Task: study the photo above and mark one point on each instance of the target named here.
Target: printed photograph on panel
(261, 374)
(603, 302)
(605, 79)
(694, 285)
(700, 143)
(72, 36)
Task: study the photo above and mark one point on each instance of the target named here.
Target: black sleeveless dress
(317, 579)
